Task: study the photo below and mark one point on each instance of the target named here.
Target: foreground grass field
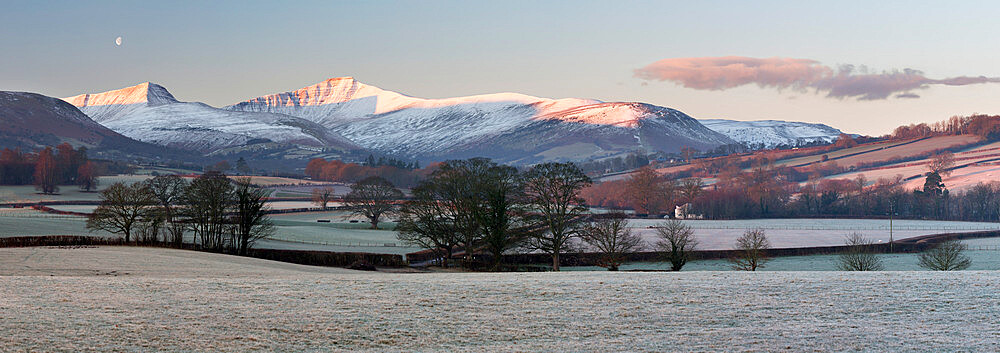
(138, 299)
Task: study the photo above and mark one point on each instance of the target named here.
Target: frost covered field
(141, 299)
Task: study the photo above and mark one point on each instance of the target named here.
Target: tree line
(381, 161)
(478, 207)
(762, 193)
(339, 171)
(986, 126)
(616, 164)
(766, 191)
(645, 191)
(48, 168)
(218, 213)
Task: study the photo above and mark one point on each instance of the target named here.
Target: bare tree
(690, 188)
(612, 238)
(645, 191)
(250, 215)
(322, 196)
(677, 242)
(150, 227)
(751, 250)
(168, 191)
(207, 203)
(454, 184)
(429, 222)
(372, 197)
(860, 255)
(946, 256)
(46, 172)
(942, 164)
(553, 190)
(122, 208)
(86, 176)
(499, 211)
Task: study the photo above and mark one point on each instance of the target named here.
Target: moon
(118, 41)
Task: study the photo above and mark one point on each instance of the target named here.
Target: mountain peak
(146, 92)
(329, 91)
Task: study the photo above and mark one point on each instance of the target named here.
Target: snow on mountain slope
(594, 131)
(504, 126)
(771, 133)
(342, 100)
(149, 113)
(32, 120)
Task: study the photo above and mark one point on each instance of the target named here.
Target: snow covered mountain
(32, 120)
(771, 133)
(148, 112)
(508, 127)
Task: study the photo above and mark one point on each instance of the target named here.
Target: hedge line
(304, 257)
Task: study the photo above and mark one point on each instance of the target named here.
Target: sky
(741, 60)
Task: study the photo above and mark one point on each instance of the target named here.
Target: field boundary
(909, 245)
(302, 257)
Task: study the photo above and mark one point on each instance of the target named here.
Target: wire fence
(839, 228)
(36, 215)
(355, 244)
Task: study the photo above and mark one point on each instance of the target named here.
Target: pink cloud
(720, 73)
(733, 71)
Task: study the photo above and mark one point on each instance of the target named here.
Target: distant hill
(773, 133)
(31, 121)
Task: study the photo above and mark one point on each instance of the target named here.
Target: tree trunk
(555, 261)
(468, 255)
(497, 261)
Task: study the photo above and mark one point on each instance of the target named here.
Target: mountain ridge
(32, 120)
(149, 113)
(772, 133)
(146, 92)
(443, 128)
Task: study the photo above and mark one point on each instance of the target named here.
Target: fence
(304, 257)
(883, 227)
(341, 244)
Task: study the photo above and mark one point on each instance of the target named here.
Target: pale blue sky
(224, 52)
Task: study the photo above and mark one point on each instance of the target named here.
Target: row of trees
(616, 164)
(335, 170)
(763, 191)
(987, 126)
(381, 161)
(645, 191)
(220, 214)
(48, 168)
(476, 204)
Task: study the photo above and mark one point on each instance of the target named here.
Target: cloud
(847, 81)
